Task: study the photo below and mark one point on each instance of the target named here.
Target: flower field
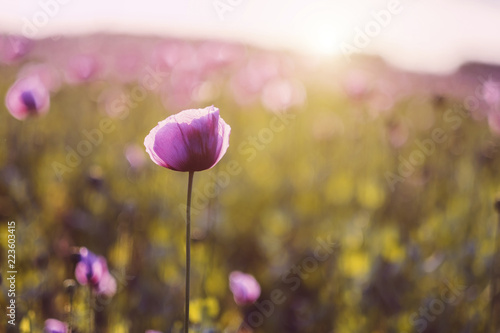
(353, 197)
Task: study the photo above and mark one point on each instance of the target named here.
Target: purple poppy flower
(90, 268)
(491, 93)
(83, 68)
(93, 270)
(55, 326)
(107, 285)
(192, 140)
(27, 96)
(47, 74)
(244, 287)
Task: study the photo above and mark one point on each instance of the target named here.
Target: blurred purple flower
(216, 55)
(135, 156)
(281, 94)
(397, 133)
(380, 101)
(82, 68)
(249, 81)
(168, 54)
(13, 48)
(110, 99)
(27, 97)
(92, 270)
(191, 140)
(152, 331)
(178, 93)
(356, 85)
(244, 287)
(47, 74)
(491, 93)
(127, 63)
(107, 285)
(55, 326)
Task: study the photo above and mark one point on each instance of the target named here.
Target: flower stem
(494, 306)
(70, 287)
(188, 249)
(70, 314)
(91, 310)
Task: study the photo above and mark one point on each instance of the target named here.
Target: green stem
(188, 249)
(91, 311)
(493, 322)
(70, 314)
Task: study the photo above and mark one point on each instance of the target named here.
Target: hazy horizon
(428, 36)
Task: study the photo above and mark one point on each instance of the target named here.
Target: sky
(417, 35)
